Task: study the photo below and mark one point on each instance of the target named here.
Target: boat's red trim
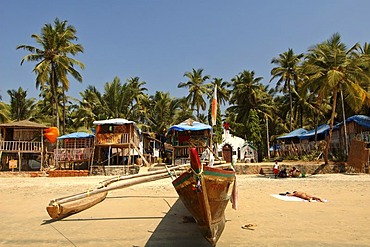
(195, 161)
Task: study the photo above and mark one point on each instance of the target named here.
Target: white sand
(151, 215)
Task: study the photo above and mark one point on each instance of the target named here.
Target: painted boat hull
(207, 204)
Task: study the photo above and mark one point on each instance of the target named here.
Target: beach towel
(292, 198)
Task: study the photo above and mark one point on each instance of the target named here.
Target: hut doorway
(227, 153)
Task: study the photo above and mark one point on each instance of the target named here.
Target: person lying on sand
(304, 196)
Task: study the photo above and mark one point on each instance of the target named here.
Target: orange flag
(214, 107)
(51, 134)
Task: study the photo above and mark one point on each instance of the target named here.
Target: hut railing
(112, 138)
(73, 154)
(183, 151)
(22, 146)
(116, 138)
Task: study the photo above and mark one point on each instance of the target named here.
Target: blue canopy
(294, 133)
(76, 135)
(190, 125)
(361, 120)
(322, 129)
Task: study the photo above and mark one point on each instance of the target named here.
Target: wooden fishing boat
(205, 192)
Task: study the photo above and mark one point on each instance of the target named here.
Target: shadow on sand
(176, 230)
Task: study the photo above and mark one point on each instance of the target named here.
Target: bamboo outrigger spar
(62, 207)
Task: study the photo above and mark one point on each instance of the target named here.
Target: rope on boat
(198, 177)
(88, 192)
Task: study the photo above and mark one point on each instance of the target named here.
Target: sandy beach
(150, 214)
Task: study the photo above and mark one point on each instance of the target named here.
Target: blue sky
(160, 40)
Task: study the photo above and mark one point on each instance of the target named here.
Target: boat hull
(207, 203)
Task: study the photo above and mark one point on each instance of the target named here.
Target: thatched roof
(23, 124)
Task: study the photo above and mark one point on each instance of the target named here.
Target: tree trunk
(327, 148)
(64, 112)
(291, 106)
(344, 123)
(267, 138)
(54, 85)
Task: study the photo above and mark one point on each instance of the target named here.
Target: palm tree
(197, 89)
(245, 94)
(165, 111)
(87, 109)
(223, 94)
(4, 112)
(250, 104)
(116, 99)
(330, 68)
(286, 70)
(138, 97)
(20, 107)
(53, 63)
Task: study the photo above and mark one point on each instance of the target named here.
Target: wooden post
(42, 150)
(129, 146)
(19, 160)
(109, 154)
(173, 149)
(91, 159)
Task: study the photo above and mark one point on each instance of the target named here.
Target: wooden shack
(21, 146)
(357, 128)
(188, 134)
(74, 150)
(117, 146)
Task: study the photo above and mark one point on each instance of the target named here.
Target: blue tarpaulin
(322, 129)
(361, 120)
(294, 133)
(76, 135)
(303, 134)
(190, 125)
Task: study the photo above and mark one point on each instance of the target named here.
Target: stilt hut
(117, 144)
(188, 134)
(21, 146)
(74, 150)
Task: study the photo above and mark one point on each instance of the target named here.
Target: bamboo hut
(22, 146)
(185, 135)
(74, 150)
(300, 141)
(117, 146)
(358, 141)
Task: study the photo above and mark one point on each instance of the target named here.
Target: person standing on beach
(276, 169)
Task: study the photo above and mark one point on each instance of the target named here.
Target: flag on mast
(214, 107)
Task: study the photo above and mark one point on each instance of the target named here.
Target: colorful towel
(292, 198)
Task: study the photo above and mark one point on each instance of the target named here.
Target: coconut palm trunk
(327, 148)
(344, 123)
(54, 86)
(291, 106)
